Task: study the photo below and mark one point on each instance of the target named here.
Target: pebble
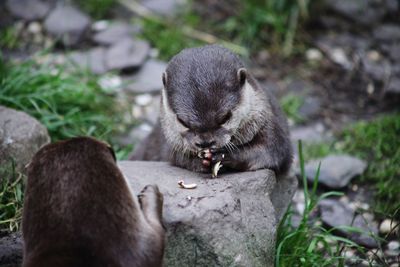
(143, 99)
(110, 81)
(100, 25)
(387, 226)
(35, 27)
(314, 54)
(393, 245)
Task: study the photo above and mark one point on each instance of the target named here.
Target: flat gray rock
(148, 79)
(28, 10)
(67, 23)
(114, 33)
(164, 7)
(394, 85)
(387, 32)
(21, 136)
(127, 54)
(336, 214)
(314, 133)
(336, 170)
(93, 60)
(227, 221)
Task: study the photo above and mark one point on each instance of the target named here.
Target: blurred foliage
(68, 102)
(377, 142)
(97, 9)
(11, 197)
(258, 23)
(8, 38)
(168, 38)
(291, 104)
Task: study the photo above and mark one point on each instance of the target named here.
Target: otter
(214, 110)
(79, 211)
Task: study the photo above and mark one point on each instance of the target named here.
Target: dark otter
(210, 101)
(79, 211)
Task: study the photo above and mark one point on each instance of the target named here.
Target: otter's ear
(164, 79)
(242, 75)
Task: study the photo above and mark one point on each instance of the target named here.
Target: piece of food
(215, 169)
(182, 184)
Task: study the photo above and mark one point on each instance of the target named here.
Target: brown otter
(210, 101)
(79, 211)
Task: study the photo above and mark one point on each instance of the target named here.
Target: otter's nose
(205, 144)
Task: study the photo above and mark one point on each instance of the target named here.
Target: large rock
(20, 137)
(227, 221)
(148, 78)
(336, 170)
(113, 34)
(67, 23)
(28, 9)
(164, 7)
(127, 54)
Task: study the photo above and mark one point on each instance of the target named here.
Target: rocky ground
(351, 72)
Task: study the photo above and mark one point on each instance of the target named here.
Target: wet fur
(202, 84)
(79, 211)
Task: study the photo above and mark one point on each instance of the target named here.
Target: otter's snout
(205, 144)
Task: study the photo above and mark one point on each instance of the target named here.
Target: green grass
(8, 38)
(310, 244)
(11, 197)
(97, 9)
(167, 38)
(258, 23)
(291, 104)
(67, 103)
(377, 142)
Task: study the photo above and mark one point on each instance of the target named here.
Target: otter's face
(195, 117)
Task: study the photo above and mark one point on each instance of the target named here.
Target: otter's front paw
(151, 203)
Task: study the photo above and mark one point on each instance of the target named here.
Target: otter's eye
(182, 122)
(225, 118)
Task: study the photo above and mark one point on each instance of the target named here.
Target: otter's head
(206, 99)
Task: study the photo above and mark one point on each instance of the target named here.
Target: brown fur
(79, 211)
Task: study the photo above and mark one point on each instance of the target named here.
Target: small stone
(148, 79)
(393, 245)
(310, 108)
(113, 34)
(374, 55)
(387, 32)
(337, 215)
(67, 23)
(35, 27)
(127, 54)
(144, 99)
(110, 82)
(28, 9)
(336, 170)
(100, 25)
(313, 54)
(338, 56)
(387, 226)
